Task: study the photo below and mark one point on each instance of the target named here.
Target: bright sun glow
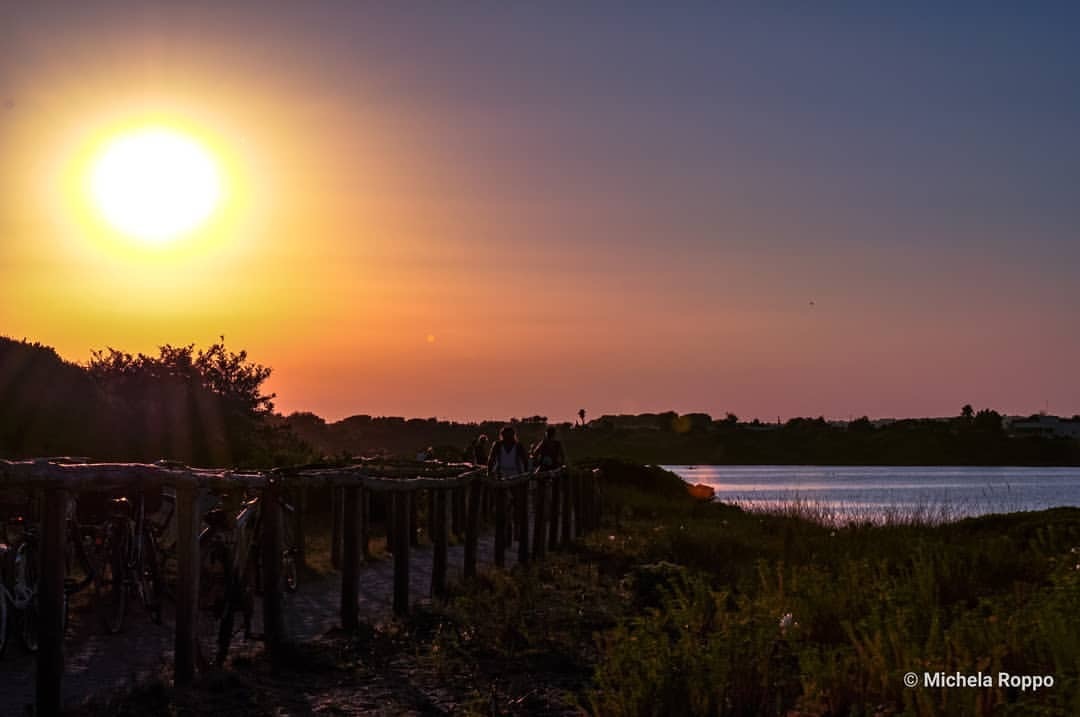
(155, 184)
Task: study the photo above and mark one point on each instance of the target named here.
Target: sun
(155, 184)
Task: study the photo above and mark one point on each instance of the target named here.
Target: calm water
(869, 492)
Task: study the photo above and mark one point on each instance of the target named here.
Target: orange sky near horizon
(364, 219)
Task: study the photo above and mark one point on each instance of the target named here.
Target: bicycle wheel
(230, 600)
(28, 616)
(113, 584)
(148, 575)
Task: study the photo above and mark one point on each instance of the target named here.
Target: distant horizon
(287, 405)
(715, 416)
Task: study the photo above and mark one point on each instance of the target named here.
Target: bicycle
(18, 585)
(233, 543)
(131, 559)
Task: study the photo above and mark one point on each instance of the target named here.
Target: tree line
(208, 407)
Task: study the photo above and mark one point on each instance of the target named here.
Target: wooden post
(500, 526)
(402, 524)
(556, 507)
(540, 531)
(522, 500)
(586, 512)
(50, 658)
(350, 554)
(390, 513)
(567, 508)
(187, 580)
(579, 516)
(521, 520)
(511, 511)
(588, 490)
(431, 515)
(457, 517)
(598, 476)
(337, 509)
(273, 617)
(472, 529)
(300, 516)
(414, 519)
(365, 522)
(441, 535)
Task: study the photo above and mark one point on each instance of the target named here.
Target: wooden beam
(540, 529)
(365, 523)
(556, 509)
(472, 529)
(500, 526)
(597, 504)
(350, 564)
(50, 657)
(457, 518)
(579, 516)
(430, 516)
(188, 522)
(271, 542)
(441, 536)
(389, 505)
(414, 518)
(401, 552)
(337, 512)
(300, 521)
(567, 510)
(521, 498)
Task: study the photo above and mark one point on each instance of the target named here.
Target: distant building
(1045, 426)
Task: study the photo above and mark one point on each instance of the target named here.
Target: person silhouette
(548, 454)
(508, 457)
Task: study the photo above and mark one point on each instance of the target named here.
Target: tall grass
(804, 609)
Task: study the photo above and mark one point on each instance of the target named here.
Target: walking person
(479, 450)
(548, 454)
(508, 457)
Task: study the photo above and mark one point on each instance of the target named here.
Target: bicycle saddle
(120, 508)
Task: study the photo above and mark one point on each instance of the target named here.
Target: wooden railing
(566, 504)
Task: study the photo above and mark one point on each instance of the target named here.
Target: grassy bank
(683, 607)
(680, 607)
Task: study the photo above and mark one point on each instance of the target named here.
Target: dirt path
(97, 663)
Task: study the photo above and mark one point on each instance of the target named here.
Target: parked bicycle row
(122, 550)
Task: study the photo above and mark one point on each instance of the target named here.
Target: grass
(795, 612)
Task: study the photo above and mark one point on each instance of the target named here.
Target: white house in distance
(1045, 426)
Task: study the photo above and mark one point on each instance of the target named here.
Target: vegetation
(679, 606)
(971, 438)
(683, 607)
(203, 407)
(207, 407)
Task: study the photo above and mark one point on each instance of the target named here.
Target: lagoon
(881, 492)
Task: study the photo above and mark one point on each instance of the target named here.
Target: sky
(488, 210)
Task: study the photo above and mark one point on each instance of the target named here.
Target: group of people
(508, 456)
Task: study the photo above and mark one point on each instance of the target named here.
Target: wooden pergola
(574, 495)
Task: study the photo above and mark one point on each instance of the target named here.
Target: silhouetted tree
(581, 415)
(988, 421)
(205, 406)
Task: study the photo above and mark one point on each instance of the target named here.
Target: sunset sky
(478, 210)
